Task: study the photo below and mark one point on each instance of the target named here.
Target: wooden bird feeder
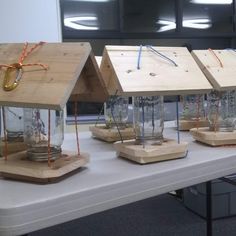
(115, 114)
(145, 73)
(72, 75)
(219, 68)
(193, 113)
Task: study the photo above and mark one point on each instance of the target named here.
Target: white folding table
(106, 182)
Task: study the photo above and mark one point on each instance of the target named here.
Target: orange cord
(76, 129)
(20, 64)
(49, 138)
(5, 133)
(198, 111)
(24, 55)
(218, 59)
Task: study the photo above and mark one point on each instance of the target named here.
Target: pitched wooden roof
(156, 75)
(73, 74)
(219, 66)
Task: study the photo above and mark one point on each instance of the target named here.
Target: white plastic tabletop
(105, 183)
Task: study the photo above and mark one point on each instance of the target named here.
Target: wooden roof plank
(156, 75)
(221, 77)
(51, 89)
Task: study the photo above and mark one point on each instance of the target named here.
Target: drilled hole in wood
(122, 54)
(129, 71)
(152, 74)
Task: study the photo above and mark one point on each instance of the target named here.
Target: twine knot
(18, 66)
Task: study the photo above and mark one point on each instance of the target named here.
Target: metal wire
(99, 115)
(113, 117)
(177, 118)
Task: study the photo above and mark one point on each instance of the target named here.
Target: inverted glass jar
(14, 124)
(193, 107)
(36, 133)
(116, 112)
(221, 108)
(148, 119)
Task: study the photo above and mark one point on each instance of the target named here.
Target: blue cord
(138, 67)
(161, 55)
(177, 118)
(143, 117)
(154, 51)
(139, 57)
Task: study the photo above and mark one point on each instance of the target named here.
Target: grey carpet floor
(158, 216)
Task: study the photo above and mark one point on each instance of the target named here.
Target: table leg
(209, 208)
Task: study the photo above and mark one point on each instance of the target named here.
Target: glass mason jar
(14, 124)
(116, 112)
(193, 107)
(149, 119)
(36, 133)
(222, 110)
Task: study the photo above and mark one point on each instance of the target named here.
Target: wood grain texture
(20, 168)
(109, 76)
(169, 150)
(51, 88)
(156, 76)
(204, 135)
(222, 78)
(111, 135)
(90, 87)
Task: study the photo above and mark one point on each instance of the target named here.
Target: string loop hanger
(217, 58)
(154, 51)
(161, 55)
(18, 66)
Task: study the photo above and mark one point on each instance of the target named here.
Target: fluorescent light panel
(197, 23)
(92, 0)
(203, 23)
(213, 2)
(79, 22)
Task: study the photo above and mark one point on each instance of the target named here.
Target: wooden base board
(12, 147)
(111, 135)
(185, 125)
(204, 135)
(169, 150)
(19, 168)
